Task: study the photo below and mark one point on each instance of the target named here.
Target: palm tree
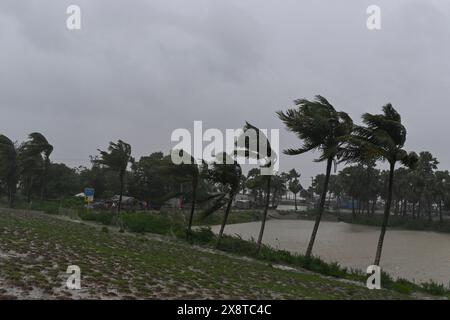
(295, 187)
(184, 172)
(278, 189)
(9, 167)
(117, 158)
(382, 138)
(268, 158)
(227, 173)
(31, 165)
(320, 127)
(38, 144)
(255, 183)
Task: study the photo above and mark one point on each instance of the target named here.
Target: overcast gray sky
(139, 69)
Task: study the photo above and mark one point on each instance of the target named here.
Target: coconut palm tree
(279, 189)
(295, 187)
(320, 127)
(382, 138)
(187, 171)
(116, 158)
(9, 167)
(38, 144)
(267, 157)
(227, 173)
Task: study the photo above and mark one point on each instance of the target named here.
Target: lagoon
(414, 255)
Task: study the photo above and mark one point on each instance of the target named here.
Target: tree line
(422, 192)
(413, 188)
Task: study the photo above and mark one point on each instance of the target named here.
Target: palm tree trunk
(225, 217)
(191, 215)
(264, 217)
(321, 208)
(387, 210)
(295, 201)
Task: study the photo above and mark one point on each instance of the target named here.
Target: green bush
(142, 222)
(106, 218)
(434, 288)
(216, 218)
(50, 207)
(203, 235)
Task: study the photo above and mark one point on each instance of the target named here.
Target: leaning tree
(382, 137)
(116, 158)
(320, 127)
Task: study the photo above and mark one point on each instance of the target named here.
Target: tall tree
(441, 188)
(187, 171)
(382, 138)
(9, 167)
(425, 168)
(295, 187)
(38, 144)
(227, 173)
(278, 188)
(252, 140)
(116, 158)
(31, 165)
(320, 127)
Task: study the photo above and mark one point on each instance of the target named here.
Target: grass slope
(35, 250)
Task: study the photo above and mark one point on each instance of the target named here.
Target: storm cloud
(139, 69)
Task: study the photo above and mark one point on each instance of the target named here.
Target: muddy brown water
(414, 255)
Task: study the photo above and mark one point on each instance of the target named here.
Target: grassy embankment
(173, 225)
(35, 250)
(170, 224)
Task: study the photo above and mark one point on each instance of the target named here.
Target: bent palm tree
(184, 172)
(382, 138)
(252, 149)
(227, 173)
(322, 128)
(117, 158)
(9, 167)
